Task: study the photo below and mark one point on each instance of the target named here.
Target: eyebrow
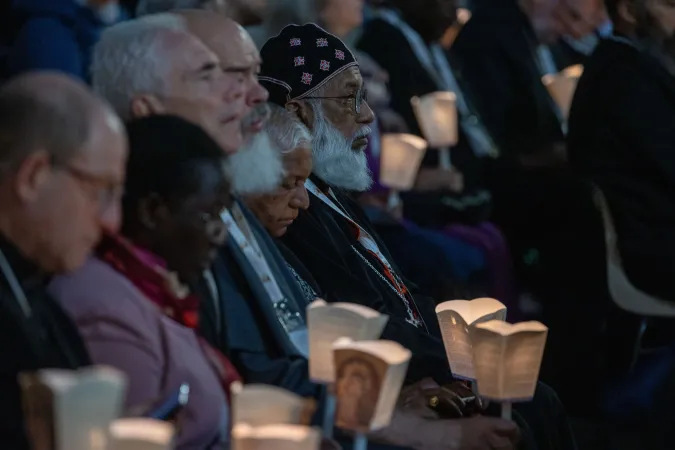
(207, 67)
(239, 69)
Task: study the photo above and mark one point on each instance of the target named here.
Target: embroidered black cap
(300, 60)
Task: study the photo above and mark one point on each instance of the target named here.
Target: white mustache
(363, 133)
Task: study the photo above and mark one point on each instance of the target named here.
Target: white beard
(335, 161)
(257, 168)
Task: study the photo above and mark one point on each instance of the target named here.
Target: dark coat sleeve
(497, 63)
(653, 133)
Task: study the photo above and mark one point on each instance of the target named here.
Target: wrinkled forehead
(187, 54)
(231, 43)
(345, 82)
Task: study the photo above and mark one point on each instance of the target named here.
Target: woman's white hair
(132, 57)
(286, 130)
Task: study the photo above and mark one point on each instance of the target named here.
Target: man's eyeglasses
(100, 189)
(357, 99)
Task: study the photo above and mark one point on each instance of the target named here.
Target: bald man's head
(45, 111)
(234, 48)
(62, 161)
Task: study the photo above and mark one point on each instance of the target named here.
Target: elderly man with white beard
(156, 65)
(314, 75)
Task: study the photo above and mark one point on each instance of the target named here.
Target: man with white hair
(154, 65)
(314, 75)
(244, 12)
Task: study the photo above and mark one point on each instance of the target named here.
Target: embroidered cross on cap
(300, 60)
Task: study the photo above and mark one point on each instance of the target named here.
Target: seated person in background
(62, 153)
(130, 301)
(511, 141)
(455, 199)
(621, 137)
(244, 12)
(58, 34)
(315, 76)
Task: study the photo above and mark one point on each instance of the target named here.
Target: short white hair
(286, 130)
(146, 7)
(129, 59)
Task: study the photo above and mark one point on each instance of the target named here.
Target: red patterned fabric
(150, 275)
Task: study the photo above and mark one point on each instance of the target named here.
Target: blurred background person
(452, 200)
(62, 155)
(131, 302)
(244, 12)
(628, 89)
(58, 34)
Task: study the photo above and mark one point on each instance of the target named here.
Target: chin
(279, 232)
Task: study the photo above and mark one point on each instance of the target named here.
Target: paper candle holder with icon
(561, 87)
(275, 437)
(330, 322)
(262, 404)
(368, 378)
(454, 318)
(507, 358)
(71, 410)
(141, 434)
(436, 114)
(327, 323)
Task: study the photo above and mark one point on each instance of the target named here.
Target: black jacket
(46, 339)
(622, 137)
(496, 50)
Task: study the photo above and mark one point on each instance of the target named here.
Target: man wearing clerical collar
(62, 156)
(314, 75)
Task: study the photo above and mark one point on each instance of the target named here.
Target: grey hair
(286, 130)
(128, 59)
(53, 117)
(146, 7)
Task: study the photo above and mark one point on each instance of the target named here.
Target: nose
(366, 116)
(256, 93)
(300, 199)
(110, 218)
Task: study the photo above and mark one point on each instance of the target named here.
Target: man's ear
(145, 105)
(32, 175)
(152, 211)
(627, 12)
(303, 110)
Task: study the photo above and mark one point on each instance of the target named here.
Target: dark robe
(46, 340)
(322, 240)
(622, 137)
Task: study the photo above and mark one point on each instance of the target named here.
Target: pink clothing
(125, 330)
